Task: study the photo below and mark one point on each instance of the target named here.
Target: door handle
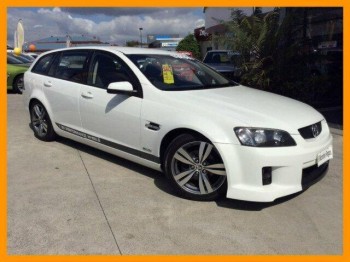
(48, 83)
(87, 95)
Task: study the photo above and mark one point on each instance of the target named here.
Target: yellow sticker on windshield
(168, 75)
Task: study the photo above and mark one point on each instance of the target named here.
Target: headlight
(259, 137)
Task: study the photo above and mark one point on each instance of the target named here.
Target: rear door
(62, 87)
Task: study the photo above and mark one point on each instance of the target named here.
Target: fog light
(266, 175)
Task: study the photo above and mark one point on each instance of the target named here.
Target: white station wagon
(172, 113)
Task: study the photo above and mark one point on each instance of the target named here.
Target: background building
(302, 58)
(54, 42)
(320, 28)
(166, 42)
(214, 18)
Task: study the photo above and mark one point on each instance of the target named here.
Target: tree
(257, 10)
(189, 43)
(133, 43)
(278, 56)
(255, 38)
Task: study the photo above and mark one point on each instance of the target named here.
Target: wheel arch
(48, 109)
(176, 135)
(171, 135)
(34, 99)
(15, 79)
(49, 134)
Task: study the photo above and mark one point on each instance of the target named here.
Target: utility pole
(140, 36)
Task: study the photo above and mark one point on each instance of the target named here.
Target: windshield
(175, 72)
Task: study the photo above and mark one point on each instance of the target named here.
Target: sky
(113, 25)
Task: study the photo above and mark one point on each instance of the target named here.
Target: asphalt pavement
(67, 198)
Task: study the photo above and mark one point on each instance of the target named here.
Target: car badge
(315, 130)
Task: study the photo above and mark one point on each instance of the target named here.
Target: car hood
(249, 107)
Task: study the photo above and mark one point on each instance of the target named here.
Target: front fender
(215, 129)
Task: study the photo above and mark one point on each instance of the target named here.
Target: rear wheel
(195, 168)
(18, 84)
(41, 122)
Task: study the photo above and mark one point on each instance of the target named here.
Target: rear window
(70, 66)
(42, 66)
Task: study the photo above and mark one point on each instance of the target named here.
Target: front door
(111, 119)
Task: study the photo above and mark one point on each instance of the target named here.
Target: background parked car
(188, 53)
(225, 62)
(24, 58)
(34, 55)
(15, 71)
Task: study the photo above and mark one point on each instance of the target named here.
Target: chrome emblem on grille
(315, 130)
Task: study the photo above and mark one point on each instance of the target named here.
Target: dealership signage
(153, 37)
(201, 34)
(170, 44)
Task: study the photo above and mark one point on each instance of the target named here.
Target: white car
(170, 112)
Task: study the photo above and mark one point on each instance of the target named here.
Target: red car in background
(188, 53)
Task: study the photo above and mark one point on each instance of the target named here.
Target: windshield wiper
(231, 83)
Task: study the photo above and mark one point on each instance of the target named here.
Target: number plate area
(324, 156)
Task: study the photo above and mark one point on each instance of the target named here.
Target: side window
(71, 66)
(43, 64)
(106, 69)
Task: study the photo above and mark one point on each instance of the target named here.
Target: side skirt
(135, 155)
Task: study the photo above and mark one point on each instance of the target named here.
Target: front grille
(313, 174)
(311, 131)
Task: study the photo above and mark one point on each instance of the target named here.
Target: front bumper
(244, 168)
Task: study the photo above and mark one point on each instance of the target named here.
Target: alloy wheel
(39, 120)
(198, 168)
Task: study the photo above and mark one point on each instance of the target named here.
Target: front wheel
(41, 122)
(195, 168)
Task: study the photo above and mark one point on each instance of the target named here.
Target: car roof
(124, 50)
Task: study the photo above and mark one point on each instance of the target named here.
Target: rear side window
(42, 66)
(71, 66)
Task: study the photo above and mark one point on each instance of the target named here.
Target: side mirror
(121, 88)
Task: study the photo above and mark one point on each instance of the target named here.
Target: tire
(18, 84)
(195, 169)
(41, 123)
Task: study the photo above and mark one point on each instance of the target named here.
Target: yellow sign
(168, 75)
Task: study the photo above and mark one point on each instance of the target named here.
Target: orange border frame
(179, 3)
